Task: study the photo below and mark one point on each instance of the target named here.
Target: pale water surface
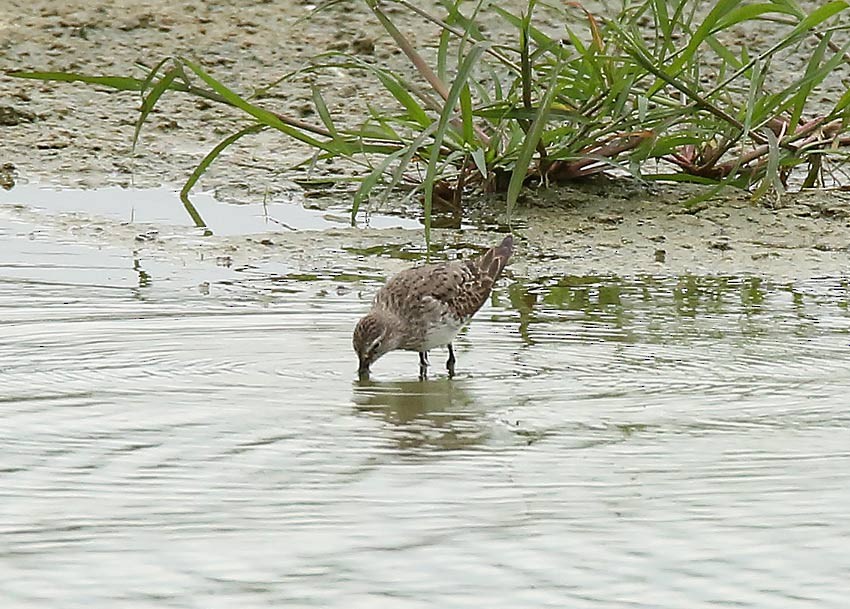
(162, 206)
(185, 435)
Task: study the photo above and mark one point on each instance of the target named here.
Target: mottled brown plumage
(425, 307)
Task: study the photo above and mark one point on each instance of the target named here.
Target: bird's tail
(496, 258)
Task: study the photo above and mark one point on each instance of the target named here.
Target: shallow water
(162, 206)
(186, 435)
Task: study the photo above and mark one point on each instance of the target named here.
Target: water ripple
(607, 442)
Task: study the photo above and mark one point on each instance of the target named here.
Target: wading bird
(426, 306)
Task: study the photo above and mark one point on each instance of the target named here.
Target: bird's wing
(458, 288)
(416, 293)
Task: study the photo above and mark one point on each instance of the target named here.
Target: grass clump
(661, 91)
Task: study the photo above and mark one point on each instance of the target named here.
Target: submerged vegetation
(662, 91)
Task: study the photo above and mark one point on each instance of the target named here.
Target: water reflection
(602, 295)
(620, 305)
(144, 276)
(436, 414)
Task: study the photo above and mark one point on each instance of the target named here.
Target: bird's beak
(363, 370)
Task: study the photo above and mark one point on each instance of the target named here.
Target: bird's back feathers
(444, 295)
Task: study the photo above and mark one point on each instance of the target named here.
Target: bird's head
(373, 337)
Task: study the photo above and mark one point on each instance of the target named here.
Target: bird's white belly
(441, 334)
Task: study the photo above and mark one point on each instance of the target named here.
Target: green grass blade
(149, 101)
(371, 180)
(404, 160)
(750, 12)
(153, 72)
(724, 52)
(463, 73)
(754, 97)
(814, 19)
(532, 138)
(721, 9)
(525, 60)
(678, 177)
(841, 105)
(324, 113)
(400, 91)
(480, 160)
(442, 55)
(809, 81)
(535, 33)
(455, 17)
(315, 11)
(121, 83)
(771, 174)
(204, 165)
(466, 115)
(262, 115)
(663, 27)
(398, 87)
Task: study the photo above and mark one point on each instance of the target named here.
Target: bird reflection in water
(435, 414)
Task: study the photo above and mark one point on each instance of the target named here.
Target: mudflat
(80, 136)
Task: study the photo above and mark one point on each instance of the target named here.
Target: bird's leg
(450, 363)
(423, 365)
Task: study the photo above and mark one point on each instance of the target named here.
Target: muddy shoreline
(80, 136)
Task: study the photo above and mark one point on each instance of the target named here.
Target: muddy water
(182, 435)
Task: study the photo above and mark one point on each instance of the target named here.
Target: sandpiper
(425, 307)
